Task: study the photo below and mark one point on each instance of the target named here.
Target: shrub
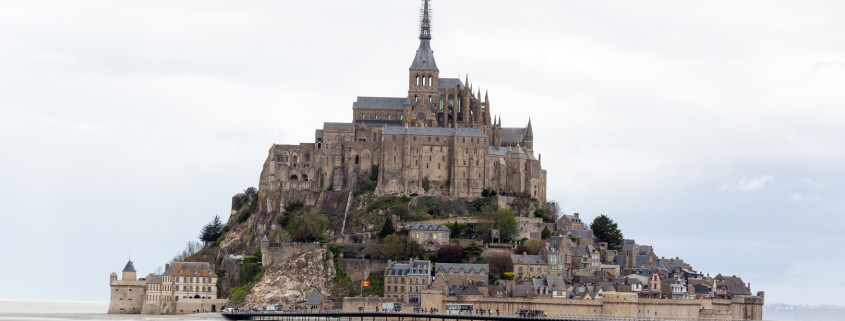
(426, 185)
(507, 276)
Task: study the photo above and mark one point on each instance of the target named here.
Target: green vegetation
(545, 234)
(392, 247)
(211, 231)
(387, 228)
(426, 185)
(343, 286)
(367, 185)
(507, 276)
(251, 270)
(245, 205)
(606, 230)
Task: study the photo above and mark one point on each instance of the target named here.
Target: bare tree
(193, 247)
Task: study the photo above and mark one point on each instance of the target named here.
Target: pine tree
(605, 230)
(387, 229)
(546, 233)
(212, 231)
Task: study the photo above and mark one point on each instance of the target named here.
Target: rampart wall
(276, 253)
(613, 304)
(359, 269)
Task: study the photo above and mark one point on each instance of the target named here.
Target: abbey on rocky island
(439, 139)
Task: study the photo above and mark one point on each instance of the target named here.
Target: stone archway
(213, 308)
(294, 178)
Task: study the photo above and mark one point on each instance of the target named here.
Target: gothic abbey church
(439, 139)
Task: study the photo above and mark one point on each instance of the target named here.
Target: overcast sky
(713, 131)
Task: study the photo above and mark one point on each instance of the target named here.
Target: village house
(529, 266)
(430, 236)
(403, 282)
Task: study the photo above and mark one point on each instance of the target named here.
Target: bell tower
(423, 79)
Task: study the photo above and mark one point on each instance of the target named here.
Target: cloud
(750, 184)
(798, 197)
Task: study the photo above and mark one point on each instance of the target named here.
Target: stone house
(430, 236)
(558, 252)
(586, 258)
(403, 282)
(550, 285)
(529, 266)
(462, 275)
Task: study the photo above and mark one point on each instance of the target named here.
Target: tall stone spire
(425, 22)
(425, 56)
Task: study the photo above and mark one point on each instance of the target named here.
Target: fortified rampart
(612, 304)
(277, 253)
(360, 269)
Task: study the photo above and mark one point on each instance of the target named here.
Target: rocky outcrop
(289, 284)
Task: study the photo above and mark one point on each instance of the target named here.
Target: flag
(365, 283)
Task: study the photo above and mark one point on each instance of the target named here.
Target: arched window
(375, 135)
(294, 178)
(418, 80)
(304, 178)
(308, 157)
(295, 158)
(429, 81)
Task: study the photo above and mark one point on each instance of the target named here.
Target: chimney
(576, 214)
(166, 267)
(412, 263)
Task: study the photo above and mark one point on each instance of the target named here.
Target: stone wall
(359, 269)
(127, 297)
(278, 253)
(613, 304)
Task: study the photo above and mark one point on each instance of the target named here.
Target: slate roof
(587, 280)
(394, 122)
(512, 135)
(129, 267)
(154, 279)
(578, 234)
(429, 227)
(327, 125)
(419, 268)
(424, 59)
(701, 289)
(381, 102)
(189, 269)
(474, 268)
(492, 150)
(554, 243)
(522, 290)
(553, 281)
(736, 286)
(314, 299)
(470, 290)
(433, 131)
(528, 259)
(641, 260)
(443, 83)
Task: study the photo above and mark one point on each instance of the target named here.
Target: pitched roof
(381, 102)
(433, 131)
(578, 234)
(424, 59)
(528, 259)
(443, 83)
(129, 267)
(428, 227)
(512, 135)
(419, 268)
(736, 286)
(189, 269)
(474, 268)
(471, 290)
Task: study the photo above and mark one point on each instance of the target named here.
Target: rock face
(289, 284)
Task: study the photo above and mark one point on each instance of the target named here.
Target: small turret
(129, 272)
